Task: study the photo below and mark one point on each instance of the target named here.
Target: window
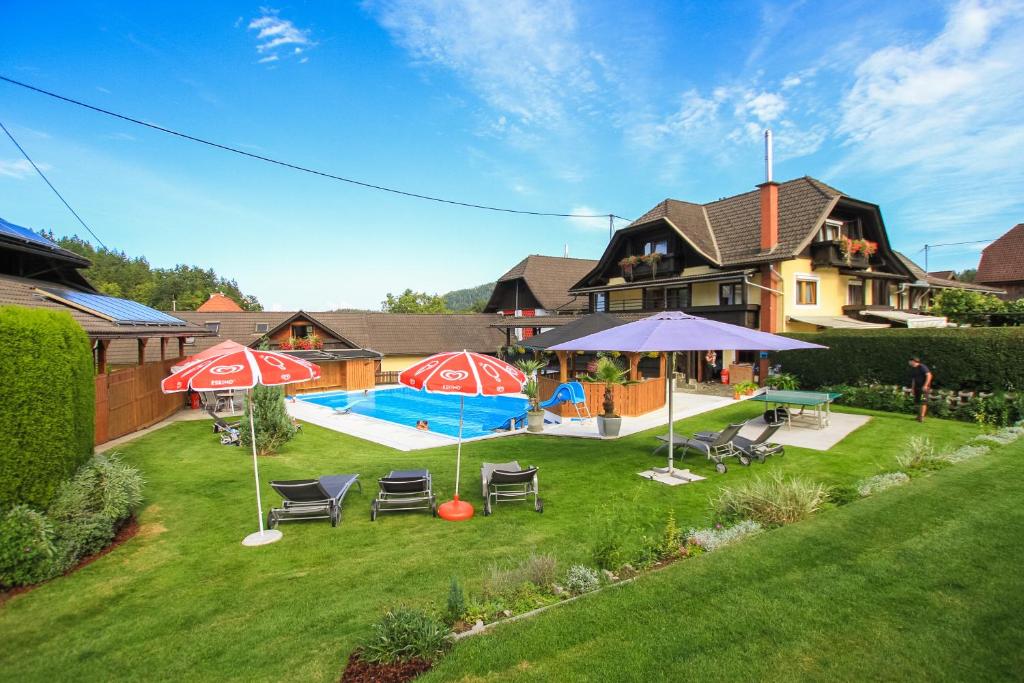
(730, 294)
(855, 293)
(807, 292)
(213, 326)
(600, 302)
(262, 328)
(190, 341)
(656, 247)
(302, 330)
(654, 299)
(679, 297)
(831, 231)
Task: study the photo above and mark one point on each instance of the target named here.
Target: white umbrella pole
(458, 452)
(671, 426)
(255, 463)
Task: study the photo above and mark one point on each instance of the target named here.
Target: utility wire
(297, 167)
(47, 181)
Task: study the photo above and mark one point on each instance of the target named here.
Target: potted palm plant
(609, 373)
(534, 416)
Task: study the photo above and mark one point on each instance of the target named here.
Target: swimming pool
(406, 406)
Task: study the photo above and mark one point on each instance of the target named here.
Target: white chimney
(565, 254)
(768, 160)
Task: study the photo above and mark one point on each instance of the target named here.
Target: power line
(47, 181)
(297, 167)
(928, 247)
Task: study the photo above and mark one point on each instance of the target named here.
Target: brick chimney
(769, 200)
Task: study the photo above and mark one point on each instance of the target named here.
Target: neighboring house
(37, 273)
(944, 275)
(219, 303)
(539, 286)
(925, 285)
(350, 339)
(1002, 264)
(787, 257)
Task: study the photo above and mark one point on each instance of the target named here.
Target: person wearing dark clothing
(920, 385)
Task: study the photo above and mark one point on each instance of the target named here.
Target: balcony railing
(746, 315)
(830, 254)
(668, 266)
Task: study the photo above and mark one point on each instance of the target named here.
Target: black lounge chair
(760, 448)
(508, 482)
(404, 490)
(219, 424)
(716, 450)
(312, 498)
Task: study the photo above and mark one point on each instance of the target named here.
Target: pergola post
(181, 347)
(142, 350)
(634, 365)
(163, 348)
(563, 370)
(663, 364)
(101, 356)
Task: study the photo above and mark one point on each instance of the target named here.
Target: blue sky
(549, 105)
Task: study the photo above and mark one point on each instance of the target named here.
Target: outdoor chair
(404, 490)
(759, 448)
(219, 424)
(508, 482)
(231, 437)
(312, 498)
(716, 450)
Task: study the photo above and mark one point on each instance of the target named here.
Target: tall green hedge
(961, 358)
(47, 399)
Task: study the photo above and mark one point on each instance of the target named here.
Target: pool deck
(410, 439)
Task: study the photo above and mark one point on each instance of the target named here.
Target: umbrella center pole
(458, 451)
(671, 426)
(255, 462)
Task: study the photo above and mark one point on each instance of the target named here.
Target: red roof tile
(1003, 260)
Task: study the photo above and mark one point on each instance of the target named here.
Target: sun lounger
(404, 490)
(760, 448)
(219, 424)
(716, 450)
(508, 482)
(312, 498)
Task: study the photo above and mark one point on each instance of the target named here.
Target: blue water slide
(570, 392)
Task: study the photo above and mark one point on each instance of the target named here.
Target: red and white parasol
(243, 369)
(465, 374)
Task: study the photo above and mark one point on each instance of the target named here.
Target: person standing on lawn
(920, 385)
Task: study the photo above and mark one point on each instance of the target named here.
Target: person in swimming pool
(423, 425)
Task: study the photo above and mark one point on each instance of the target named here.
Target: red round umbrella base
(455, 510)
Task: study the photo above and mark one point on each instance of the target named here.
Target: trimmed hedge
(47, 394)
(975, 358)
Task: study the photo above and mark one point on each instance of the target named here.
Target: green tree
(414, 302)
(967, 275)
(966, 306)
(470, 300)
(274, 427)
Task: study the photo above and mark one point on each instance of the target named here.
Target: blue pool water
(406, 406)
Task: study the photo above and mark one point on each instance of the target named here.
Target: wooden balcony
(830, 255)
(746, 315)
(668, 266)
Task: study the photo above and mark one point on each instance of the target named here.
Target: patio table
(819, 401)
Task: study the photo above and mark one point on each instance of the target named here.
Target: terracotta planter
(736, 395)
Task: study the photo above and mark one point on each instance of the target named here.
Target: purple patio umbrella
(674, 331)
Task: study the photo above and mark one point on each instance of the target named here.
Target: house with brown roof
(1002, 264)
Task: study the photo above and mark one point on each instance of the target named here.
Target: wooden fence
(347, 375)
(130, 399)
(387, 377)
(630, 400)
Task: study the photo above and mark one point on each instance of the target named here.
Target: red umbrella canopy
(241, 369)
(465, 373)
(226, 346)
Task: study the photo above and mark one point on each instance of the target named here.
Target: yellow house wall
(616, 296)
(399, 363)
(831, 292)
(704, 293)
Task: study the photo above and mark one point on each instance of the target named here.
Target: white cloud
(274, 34)
(523, 57)
(946, 117)
(765, 106)
(598, 223)
(19, 168)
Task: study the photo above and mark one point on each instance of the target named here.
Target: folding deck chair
(508, 482)
(404, 490)
(757, 448)
(312, 498)
(717, 450)
(219, 424)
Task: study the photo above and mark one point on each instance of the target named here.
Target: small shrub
(649, 552)
(539, 571)
(26, 547)
(843, 495)
(607, 553)
(881, 482)
(963, 453)
(403, 634)
(783, 381)
(711, 539)
(919, 454)
(456, 605)
(90, 508)
(770, 501)
(670, 538)
(274, 427)
(581, 579)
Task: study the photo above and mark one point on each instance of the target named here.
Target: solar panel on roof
(122, 311)
(24, 234)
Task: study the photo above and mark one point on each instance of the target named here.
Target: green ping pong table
(818, 400)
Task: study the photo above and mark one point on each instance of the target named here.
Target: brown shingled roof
(549, 278)
(940, 282)
(1003, 260)
(218, 303)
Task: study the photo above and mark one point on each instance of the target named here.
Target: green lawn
(185, 600)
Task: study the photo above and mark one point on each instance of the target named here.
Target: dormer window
(656, 247)
(213, 326)
(831, 231)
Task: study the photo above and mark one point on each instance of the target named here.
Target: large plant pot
(608, 426)
(535, 421)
